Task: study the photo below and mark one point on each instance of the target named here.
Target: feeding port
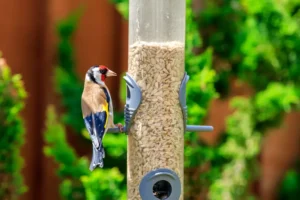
(163, 184)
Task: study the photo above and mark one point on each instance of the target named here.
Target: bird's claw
(121, 127)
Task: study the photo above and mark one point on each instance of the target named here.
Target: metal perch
(134, 99)
(189, 128)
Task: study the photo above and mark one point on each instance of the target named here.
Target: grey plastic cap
(153, 177)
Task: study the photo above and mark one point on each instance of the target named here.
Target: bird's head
(98, 74)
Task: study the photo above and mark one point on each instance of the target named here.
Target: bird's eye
(103, 71)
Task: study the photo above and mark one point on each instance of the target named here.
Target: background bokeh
(243, 58)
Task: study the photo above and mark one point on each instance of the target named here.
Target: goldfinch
(97, 110)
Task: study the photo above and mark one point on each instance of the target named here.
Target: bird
(97, 110)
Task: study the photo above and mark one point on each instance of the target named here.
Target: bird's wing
(96, 126)
(95, 113)
(110, 107)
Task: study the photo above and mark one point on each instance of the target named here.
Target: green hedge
(12, 96)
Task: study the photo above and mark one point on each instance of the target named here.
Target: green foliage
(65, 30)
(78, 181)
(71, 168)
(70, 87)
(104, 184)
(12, 96)
(290, 186)
(241, 145)
(276, 99)
(257, 41)
(58, 148)
(122, 7)
(257, 47)
(68, 83)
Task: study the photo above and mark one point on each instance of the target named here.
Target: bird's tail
(97, 159)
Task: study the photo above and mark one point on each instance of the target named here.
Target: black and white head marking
(94, 75)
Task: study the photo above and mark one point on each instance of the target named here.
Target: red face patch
(102, 77)
(102, 67)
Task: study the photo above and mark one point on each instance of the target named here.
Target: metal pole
(156, 63)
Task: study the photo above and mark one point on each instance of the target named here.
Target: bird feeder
(155, 110)
(156, 134)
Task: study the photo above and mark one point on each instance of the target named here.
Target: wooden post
(156, 63)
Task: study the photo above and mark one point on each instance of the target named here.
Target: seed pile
(155, 139)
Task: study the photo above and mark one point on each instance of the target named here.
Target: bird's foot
(121, 127)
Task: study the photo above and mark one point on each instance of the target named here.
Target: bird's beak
(110, 73)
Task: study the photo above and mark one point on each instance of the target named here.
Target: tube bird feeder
(155, 110)
(156, 63)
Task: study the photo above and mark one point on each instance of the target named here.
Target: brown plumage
(94, 100)
(93, 97)
(97, 110)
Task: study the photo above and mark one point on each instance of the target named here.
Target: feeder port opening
(162, 189)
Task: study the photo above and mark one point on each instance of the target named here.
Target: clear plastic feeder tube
(156, 63)
(156, 21)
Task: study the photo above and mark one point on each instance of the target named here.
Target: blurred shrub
(68, 83)
(290, 186)
(12, 96)
(255, 43)
(77, 181)
(122, 7)
(70, 87)
(104, 184)
(71, 168)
